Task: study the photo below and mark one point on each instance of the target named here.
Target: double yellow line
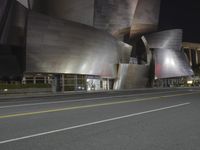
(90, 106)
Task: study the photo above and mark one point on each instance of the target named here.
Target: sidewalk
(71, 93)
(38, 94)
(4, 95)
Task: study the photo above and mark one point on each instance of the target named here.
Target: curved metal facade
(58, 46)
(131, 76)
(146, 17)
(118, 17)
(125, 52)
(24, 3)
(169, 39)
(170, 61)
(12, 38)
(73, 10)
(114, 16)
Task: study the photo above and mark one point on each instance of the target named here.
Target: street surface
(150, 119)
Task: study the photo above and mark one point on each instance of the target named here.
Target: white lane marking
(92, 123)
(83, 99)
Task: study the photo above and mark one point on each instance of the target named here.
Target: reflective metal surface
(170, 61)
(81, 11)
(131, 76)
(58, 46)
(12, 38)
(118, 17)
(125, 52)
(169, 39)
(24, 2)
(148, 51)
(6, 11)
(114, 16)
(146, 17)
(12, 23)
(18, 26)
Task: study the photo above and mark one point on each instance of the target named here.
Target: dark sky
(183, 14)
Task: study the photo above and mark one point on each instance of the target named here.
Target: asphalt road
(154, 119)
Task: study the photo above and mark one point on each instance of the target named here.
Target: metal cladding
(170, 61)
(18, 26)
(24, 3)
(12, 23)
(169, 39)
(74, 10)
(146, 17)
(6, 10)
(131, 76)
(114, 16)
(12, 38)
(118, 17)
(58, 46)
(125, 52)
(80, 37)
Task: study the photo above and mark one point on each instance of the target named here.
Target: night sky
(183, 14)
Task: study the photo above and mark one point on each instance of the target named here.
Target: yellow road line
(90, 106)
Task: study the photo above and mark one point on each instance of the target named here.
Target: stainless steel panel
(13, 30)
(114, 16)
(169, 39)
(24, 3)
(3, 5)
(81, 11)
(146, 17)
(131, 76)
(171, 63)
(58, 46)
(6, 11)
(148, 51)
(125, 52)
(18, 25)
(117, 17)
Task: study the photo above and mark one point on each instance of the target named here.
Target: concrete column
(190, 57)
(24, 80)
(197, 57)
(108, 84)
(45, 80)
(63, 82)
(75, 78)
(34, 80)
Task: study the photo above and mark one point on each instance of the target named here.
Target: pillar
(45, 80)
(197, 56)
(63, 82)
(190, 57)
(34, 79)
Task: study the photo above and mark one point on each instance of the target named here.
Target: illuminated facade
(170, 60)
(76, 45)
